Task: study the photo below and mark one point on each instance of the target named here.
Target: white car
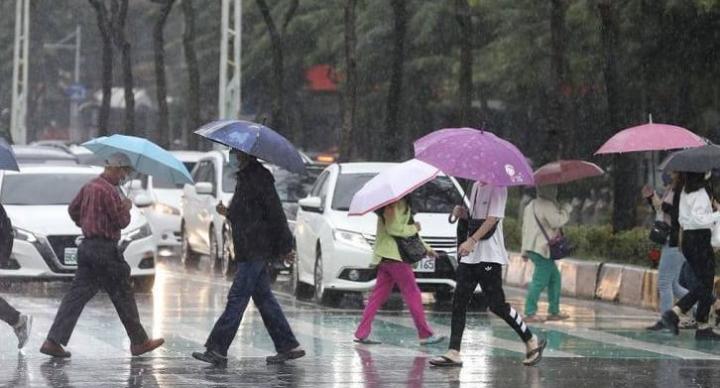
(36, 199)
(165, 214)
(334, 250)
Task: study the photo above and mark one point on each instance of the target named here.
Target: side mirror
(204, 188)
(311, 204)
(142, 200)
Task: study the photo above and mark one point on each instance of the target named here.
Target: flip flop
(366, 341)
(444, 361)
(539, 351)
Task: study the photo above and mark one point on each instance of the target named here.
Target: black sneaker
(211, 357)
(656, 327)
(285, 356)
(706, 335)
(671, 321)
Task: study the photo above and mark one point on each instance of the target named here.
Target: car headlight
(138, 233)
(24, 235)
(166, 209)
(351, 238)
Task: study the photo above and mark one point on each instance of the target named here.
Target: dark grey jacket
(260, 229)
(6, 237)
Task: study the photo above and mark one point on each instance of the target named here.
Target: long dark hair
(694, 181)
(408, 201)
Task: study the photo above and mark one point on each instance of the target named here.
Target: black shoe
(285, 356)
(671, 321)
(706, 335)
(211, 357)
(656, 327)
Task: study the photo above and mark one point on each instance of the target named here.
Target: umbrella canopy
(255, 139)
(477, 155)
(650, 137)
(146, 157)
(7, 157)
(391, 185)
(700, 159)
(564, 171)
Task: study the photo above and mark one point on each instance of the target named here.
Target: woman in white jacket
(543, 212)
(697, 215)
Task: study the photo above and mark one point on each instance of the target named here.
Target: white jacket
(552, 218)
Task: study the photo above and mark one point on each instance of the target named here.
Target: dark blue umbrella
(7, 157)
(255, 139)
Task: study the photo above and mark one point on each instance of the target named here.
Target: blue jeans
(252, 280)
(671, 263)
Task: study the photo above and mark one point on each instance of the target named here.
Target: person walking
(542, 220)
(260, 234)
(21, 323)
(101, 213)
(395, 220)
(697, 215)
(482, 256)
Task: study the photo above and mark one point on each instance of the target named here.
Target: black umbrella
(700, 159)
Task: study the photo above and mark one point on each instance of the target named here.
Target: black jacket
(260, 229)
(6, 237)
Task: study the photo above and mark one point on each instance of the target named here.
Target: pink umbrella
(650, 137)
(564, 171)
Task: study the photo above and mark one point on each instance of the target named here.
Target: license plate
(70, 257)
(425, 265)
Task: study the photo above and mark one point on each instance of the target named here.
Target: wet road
(601, 346)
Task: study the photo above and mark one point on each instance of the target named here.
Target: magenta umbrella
(564, 171)
(650, 137)
(476, 155)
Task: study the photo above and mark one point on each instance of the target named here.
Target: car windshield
(165, 182)
(436, 196)
(32, 189)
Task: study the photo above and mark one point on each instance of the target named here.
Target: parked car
(335, 251)
(165, 213)
(46, 239)
(43, 155)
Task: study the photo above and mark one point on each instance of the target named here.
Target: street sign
(76, 92)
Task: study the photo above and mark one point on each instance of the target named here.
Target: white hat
(118, 160)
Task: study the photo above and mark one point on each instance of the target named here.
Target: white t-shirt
(696, 211)
(488, 201)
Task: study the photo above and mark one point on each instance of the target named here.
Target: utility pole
(18, 128)
(229, 98)
(76, 92)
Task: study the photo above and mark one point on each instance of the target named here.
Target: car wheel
(5, 285)
(215, 255)
(443, 296)
(144, 284)
(323, 296)
(229, 265)
(187, 256)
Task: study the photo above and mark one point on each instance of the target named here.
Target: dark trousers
(701, 259)
(489, 276)
(100, 266)
(252, 280)
(8, 313)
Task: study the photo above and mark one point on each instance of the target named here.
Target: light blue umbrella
(7, 157)
(146, 157)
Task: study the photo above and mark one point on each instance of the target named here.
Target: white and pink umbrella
(391, 185)
(651, 137)
(564, 171)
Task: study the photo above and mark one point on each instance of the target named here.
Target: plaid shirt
(98, 210)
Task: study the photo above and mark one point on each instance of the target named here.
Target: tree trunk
(465, 82)
(119, 17)
(193, 99)
(558, 75)
(107, 65)
(163, 126)
(624, 178)
(393, 129)
(350, 92)
(277, 41)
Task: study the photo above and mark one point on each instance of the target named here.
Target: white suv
(335, 250)
(36, 200)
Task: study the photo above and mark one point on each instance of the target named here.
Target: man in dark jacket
(20, 323)
(260, 234)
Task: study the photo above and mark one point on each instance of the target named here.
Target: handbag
(660, 232)
(468, 227)
(560, 246)
(411, 248)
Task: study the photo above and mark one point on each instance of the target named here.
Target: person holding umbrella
(101, 213)
(260, 234)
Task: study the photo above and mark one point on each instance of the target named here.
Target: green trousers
(546, 274)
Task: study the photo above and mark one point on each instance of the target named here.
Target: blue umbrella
(255, 139)
(7, 157)
(146, 156)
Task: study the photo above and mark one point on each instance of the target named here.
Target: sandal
(444, 361)
(535, 355)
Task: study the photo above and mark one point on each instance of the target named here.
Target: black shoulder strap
(542, 229)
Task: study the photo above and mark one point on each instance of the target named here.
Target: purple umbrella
(477, 155)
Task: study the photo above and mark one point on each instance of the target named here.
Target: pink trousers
(388, 275)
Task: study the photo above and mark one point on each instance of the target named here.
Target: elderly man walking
(101, 213)
(260, 233)
(20, 323)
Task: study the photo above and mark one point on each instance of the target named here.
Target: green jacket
(394, 223)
